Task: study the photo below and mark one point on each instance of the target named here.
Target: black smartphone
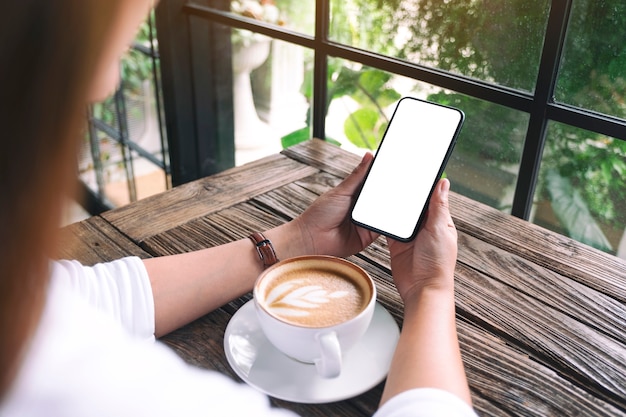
(410, 159)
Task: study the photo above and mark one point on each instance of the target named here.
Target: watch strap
(264, 248)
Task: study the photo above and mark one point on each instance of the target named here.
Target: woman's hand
(326, 224)
(428, 260)
(428, 354)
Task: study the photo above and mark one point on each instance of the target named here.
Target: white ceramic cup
(315, 308)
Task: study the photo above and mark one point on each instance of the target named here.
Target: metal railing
(116, 134)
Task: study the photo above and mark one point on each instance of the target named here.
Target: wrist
(439, 293)
(289, 240)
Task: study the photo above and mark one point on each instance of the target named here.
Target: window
(124, 156)
(542, 83)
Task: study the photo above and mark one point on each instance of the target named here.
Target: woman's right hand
(428, 353)
(428, 260)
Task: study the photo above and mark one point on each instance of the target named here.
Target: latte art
(314, 298)
(295, 298)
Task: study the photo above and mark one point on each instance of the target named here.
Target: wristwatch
(264, 248)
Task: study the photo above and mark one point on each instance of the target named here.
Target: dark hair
(49, 51)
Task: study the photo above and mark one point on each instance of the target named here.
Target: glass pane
(581, 191)
(271, 91)
(107, 174)
(593, 72)
(296, 15)
(493, 40)
(107, 167)
(486, 159)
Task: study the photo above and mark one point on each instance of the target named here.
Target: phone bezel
(440, 172)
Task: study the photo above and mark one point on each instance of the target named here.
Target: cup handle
(329, 364)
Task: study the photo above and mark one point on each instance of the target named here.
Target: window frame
(94, 197)
(539, 105)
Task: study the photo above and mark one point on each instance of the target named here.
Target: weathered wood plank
(324, 156)
(589, 266)
(591, 307)
(201, 342)
(94, 240)
(287, 202)
(577, 352)
(505, 382)
(230, 224)
(505, 378)
(182, 204)
(554, 320)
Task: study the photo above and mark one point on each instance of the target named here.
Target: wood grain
(555, 291)
(506, 382)
(580, 262)
(94, 240)
(190, 201)
(324, 156)
(580, 354)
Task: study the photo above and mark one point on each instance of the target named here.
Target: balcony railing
(125, 154)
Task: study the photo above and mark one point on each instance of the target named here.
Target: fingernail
(445, 186)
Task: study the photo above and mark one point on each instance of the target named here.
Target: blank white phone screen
(406, 166)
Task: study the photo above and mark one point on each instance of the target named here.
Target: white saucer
(263, 367)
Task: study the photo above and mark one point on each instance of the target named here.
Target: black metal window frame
(95, 200)
(539, 105)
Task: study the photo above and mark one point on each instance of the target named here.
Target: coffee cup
(315, 308)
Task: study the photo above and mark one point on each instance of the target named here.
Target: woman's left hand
(326, 224)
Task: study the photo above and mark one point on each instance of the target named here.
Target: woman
(71, 336)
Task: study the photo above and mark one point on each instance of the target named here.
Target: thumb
(354, 180)
(439, 209)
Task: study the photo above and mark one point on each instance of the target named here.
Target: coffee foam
(311, 295)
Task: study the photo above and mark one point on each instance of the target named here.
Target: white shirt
(92, 355)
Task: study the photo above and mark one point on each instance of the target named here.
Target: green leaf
(302, 135)
(373, 80)
(362, 128)
(387, 96)
(573, 212)
(619, 167)
(345, 83)
(296, 137)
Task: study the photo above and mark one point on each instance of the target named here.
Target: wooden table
(541, 318)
